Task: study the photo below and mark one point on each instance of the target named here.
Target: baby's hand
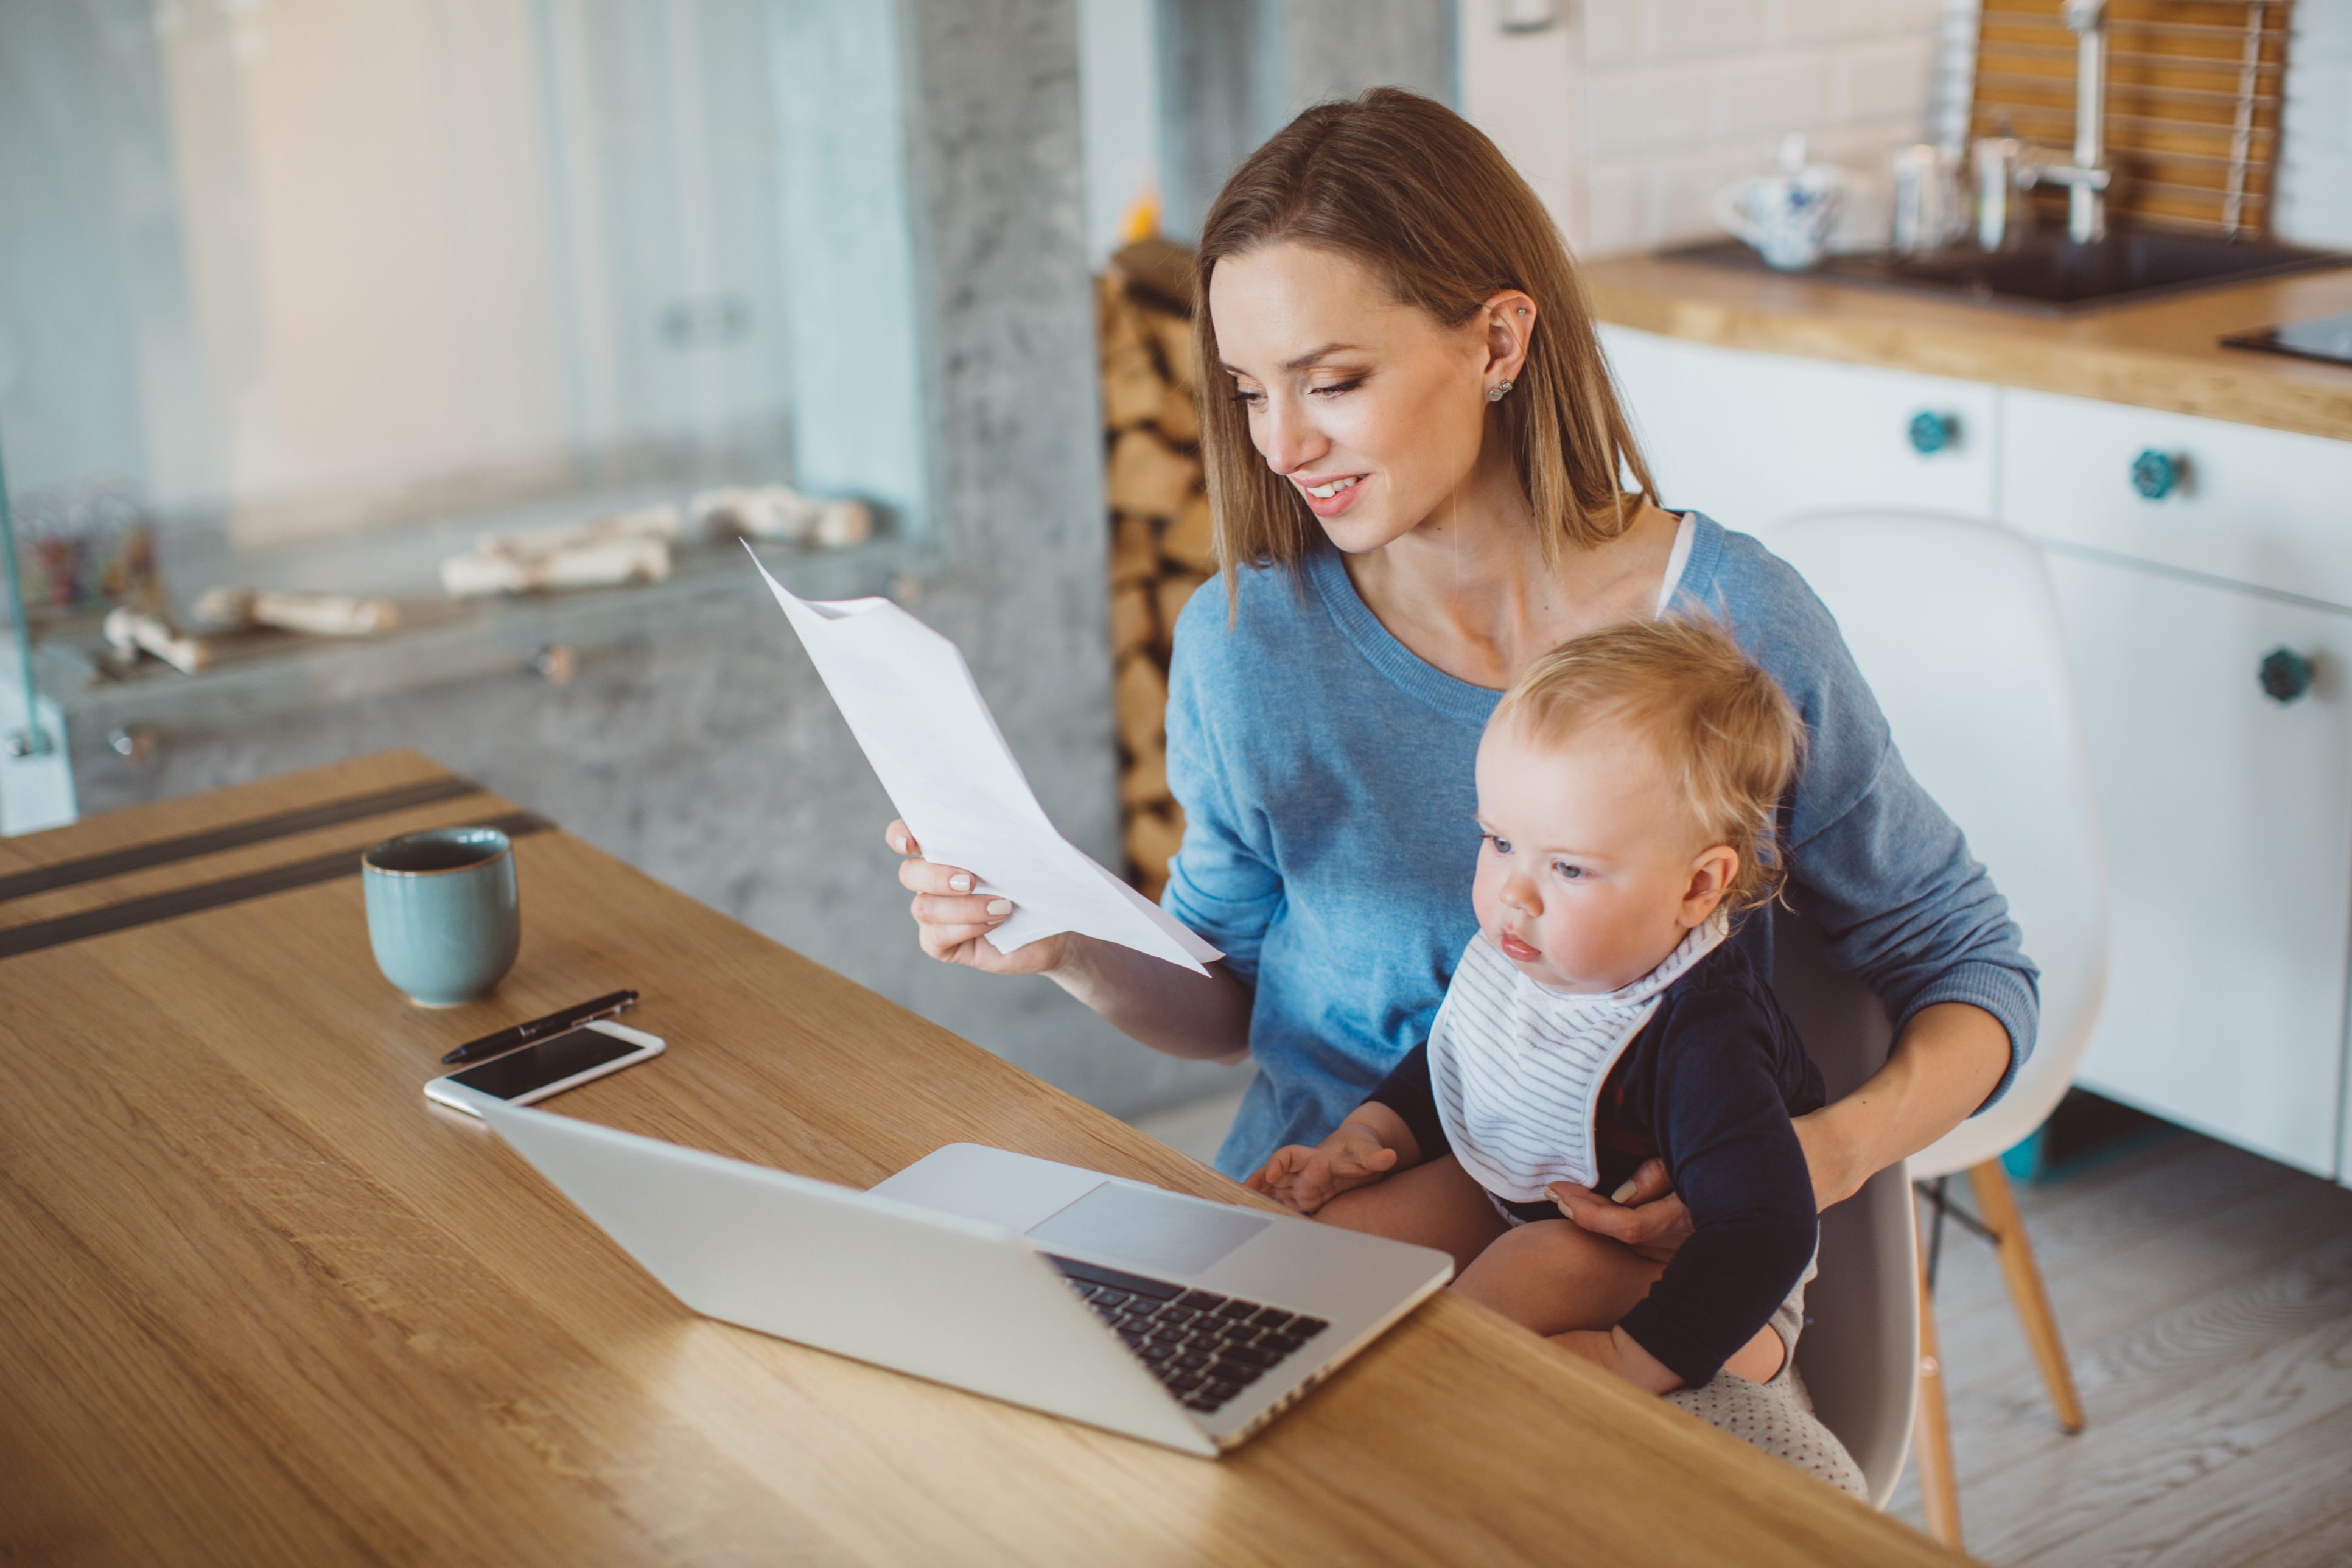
(1306, 1179)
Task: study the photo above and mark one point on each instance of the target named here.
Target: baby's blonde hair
(1727, 734)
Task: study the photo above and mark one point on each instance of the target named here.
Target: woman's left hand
(1644, 1214)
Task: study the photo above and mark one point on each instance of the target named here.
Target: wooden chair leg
(1939, 1485)
(1998, 1205)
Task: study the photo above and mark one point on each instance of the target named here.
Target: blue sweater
(1327, 779)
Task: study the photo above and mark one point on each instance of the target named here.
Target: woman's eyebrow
(1301, 363)
(1311, 355)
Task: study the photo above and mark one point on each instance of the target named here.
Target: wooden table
(260, 1304)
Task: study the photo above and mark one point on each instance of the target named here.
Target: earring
(1495, 393)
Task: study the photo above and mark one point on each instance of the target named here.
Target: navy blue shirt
(1710, 1085)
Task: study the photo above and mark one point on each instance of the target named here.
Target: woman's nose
(1287, 437)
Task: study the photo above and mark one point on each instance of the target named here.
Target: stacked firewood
(1160, 549)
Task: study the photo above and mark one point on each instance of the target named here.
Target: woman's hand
(1306, 1179)
(952, 922)
(1643, 1212)
(1200, 1016)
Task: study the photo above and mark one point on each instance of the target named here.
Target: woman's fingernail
(1621, 1193)
(1000, 906)
(960, 883)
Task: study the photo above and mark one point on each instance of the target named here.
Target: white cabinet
(2262, 507)
(2228, 820)
(2227, 812)
(1752, 439)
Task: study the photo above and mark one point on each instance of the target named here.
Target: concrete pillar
(1232, 72)
(943, 317)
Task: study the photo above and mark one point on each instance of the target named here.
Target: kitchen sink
(2052, 275)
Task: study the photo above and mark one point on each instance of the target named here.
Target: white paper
(909, 699)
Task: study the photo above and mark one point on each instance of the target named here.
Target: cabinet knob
(2286, 674)
(1932, 432)
(2157, 475)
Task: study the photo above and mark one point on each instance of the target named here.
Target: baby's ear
(1711, 878)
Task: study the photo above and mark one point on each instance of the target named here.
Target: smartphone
(549, 1067)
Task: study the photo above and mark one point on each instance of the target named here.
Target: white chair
(1956, 628)
(1860, 1351)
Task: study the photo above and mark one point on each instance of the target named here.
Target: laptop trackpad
(1148, 1229)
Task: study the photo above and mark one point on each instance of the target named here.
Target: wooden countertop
(260, 1304)
(2163, 355)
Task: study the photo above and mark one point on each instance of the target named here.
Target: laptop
(1182, 1322)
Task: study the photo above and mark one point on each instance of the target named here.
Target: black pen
(522, 1034)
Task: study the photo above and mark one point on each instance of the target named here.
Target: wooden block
(1134, 557)
(1152, 837)
(1148, 479)
(1174, 336)
(1171, 594)
(1132, 390)
(1132, 626)
(1190, 540)
(1178, 417)
(1158, 270)
(1144, 782)
(1139, 695)
(1118, 320)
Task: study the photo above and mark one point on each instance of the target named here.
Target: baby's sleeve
(1725, 1133)
(1408, 1092)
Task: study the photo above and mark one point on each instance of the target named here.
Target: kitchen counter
(2164, 355)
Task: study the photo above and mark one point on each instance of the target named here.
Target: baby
(1627, 786)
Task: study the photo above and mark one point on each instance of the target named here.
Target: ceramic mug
(1785, 217)
(443, 915)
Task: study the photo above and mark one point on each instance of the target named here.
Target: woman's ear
(1509, 319)
(1710, 880)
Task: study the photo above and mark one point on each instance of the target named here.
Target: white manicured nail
(960, 883)
(1000, 906)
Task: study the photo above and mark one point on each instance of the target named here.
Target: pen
(522, 1034)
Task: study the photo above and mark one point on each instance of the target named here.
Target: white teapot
(1785, 216)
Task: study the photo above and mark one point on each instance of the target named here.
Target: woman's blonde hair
(1727, 736)
(1412, 190)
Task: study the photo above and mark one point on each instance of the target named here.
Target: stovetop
(2328, 338)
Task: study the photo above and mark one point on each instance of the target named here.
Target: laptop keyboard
(1206, 1348)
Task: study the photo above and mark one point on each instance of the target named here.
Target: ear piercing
(1495, 393)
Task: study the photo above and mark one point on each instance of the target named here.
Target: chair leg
(1939, 1485)
(1999, 1207)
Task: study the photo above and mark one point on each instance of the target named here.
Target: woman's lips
(1334, 504)
(1514, 948)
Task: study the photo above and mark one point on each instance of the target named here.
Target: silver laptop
(1122, 1305)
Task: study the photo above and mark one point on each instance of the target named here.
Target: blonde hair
(1416, 192)
(1727, 734)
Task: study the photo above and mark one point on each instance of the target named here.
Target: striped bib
(1517, 1068)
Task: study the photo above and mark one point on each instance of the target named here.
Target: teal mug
(443, 914)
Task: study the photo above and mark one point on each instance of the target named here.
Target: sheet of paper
(909, 699)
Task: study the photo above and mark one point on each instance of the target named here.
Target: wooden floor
(2206, 1297)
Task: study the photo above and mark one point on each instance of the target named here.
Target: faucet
(2004, 164)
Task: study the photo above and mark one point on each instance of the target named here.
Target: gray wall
(1232, 72)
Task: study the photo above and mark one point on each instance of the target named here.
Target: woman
(1417, 464)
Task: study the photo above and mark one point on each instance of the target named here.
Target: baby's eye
(1502, 845)
(1566, 872)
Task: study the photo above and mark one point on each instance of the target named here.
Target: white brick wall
(1662, 101)
(1629, 115)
